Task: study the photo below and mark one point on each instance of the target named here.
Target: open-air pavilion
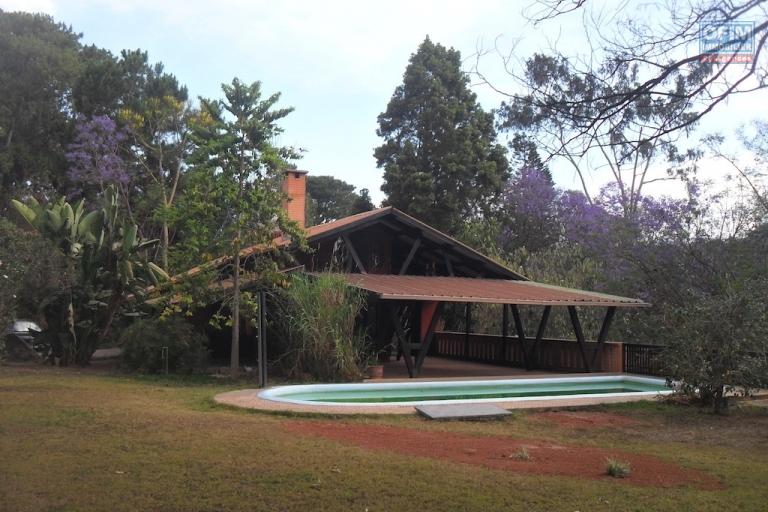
(412, 271)
(391, 295)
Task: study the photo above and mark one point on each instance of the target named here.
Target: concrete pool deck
(249, 399)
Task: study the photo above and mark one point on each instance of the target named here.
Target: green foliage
(482, 235)
(234, 190)
(48, 79)
(440, 157)
(144, 340)
(525, 155)
(362, 202)
(28, 269)
(329, 198)
(319, 314)
(719, 344)
(567, 266)
(234, 195)
(617, 468)
(106, 263)
(158, 118)
(38, 65)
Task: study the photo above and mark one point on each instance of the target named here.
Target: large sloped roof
(334, 228)
(390, 213)
(511, 288)
(494, 291)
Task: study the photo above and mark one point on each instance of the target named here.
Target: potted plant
(374, 368)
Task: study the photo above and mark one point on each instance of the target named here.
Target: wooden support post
(411, 254)
(467, 327)
(262, 347)
(579, 336)
(353, 252)
(603, 334)
(520, 329)
(428, 337)
(540, 334)
(504, 332)
(405, 345)
(448, 264)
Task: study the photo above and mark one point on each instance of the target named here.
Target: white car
(25, 331)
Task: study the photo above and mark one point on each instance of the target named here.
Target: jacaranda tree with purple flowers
(531, 207)
(94, 157)
(696, 258)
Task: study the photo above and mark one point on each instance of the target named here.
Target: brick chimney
(295, 187)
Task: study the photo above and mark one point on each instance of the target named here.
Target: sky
(337, 63)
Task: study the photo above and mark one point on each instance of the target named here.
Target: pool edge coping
(250, 399)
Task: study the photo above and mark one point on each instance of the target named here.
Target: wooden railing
(642, 359)
(548, 354)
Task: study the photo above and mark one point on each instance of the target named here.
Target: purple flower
(94, 156)
(530, 201)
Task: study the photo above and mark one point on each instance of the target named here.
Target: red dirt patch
(497, 452)
(586, 419)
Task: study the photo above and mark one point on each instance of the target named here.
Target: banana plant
(70, 228)
(107, 265)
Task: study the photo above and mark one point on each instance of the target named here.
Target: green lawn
(74, 440)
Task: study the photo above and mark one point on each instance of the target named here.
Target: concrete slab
(461, 411)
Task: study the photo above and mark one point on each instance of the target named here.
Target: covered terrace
(398, 301)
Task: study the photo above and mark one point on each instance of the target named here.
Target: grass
(76, 440)
(521, 454)
(617, 468)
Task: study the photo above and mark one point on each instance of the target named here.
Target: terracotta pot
(376, 371)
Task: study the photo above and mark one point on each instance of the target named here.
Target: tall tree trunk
(164, 245)
(234, 359)
(720, 401)
(69, 354)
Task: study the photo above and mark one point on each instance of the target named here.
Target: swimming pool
(455, 392)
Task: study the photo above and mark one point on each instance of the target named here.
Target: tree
(530, 212)
(751, 175)
(618, 144)
(234, 196)
(669, 61)
(162, 143)
(106, 266)
(362, 202)
(440, 157)
(101, 86)
(330, 199)
(38, 65)
(711, 358)
(525, 155)
(700, 261)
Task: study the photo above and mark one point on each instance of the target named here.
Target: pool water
(413, 393)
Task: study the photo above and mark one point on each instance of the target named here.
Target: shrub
(719, 344)
(319, 314)
(617, 469)
(29, 266)
(143, 341)
(521, 454)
